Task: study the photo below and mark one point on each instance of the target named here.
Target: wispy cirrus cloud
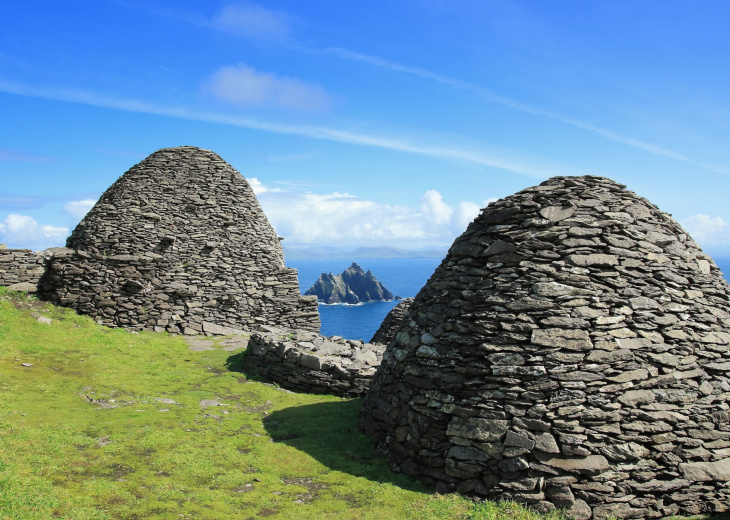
(513, 104)
(242, 85)
(399, 143)
(119, 153)
(246, 15)
(18, 156)
(10, 202)
(293, 157)
(245, 19)
(252, 20)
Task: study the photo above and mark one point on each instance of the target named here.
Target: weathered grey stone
(486, 430)
(557, 213)
(564, 339)
(182, 229)
(467, 453)
(212, 328)
(580, 511)
(518, 439)
(706, 471)
(557, 289)
(593, 260)
(591, 465)
(546, 443)
(24, 287)
(606, 295)
(635, 397)
(625, 452)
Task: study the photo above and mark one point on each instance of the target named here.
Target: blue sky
(370, 123)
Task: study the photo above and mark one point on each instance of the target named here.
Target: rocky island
(353, 286)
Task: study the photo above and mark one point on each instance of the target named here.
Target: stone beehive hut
(179, 243)
(572, 350)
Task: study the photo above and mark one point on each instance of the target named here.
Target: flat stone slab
(23, 287)
(201, 348)
(205, 403)
(232, 344)
(200, 345)
(706, 471)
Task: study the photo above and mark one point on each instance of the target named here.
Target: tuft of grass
(89, 433)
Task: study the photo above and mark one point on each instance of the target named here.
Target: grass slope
(108, 425)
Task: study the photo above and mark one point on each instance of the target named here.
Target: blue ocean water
(404, 277)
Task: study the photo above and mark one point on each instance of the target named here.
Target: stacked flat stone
(392, 322)
(571, 350)
(307, 362)
(20, 266)
(179, 243)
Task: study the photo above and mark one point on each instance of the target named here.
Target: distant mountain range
(317, 252)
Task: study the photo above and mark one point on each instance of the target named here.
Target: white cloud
(708, 231)
(435, 209)
(244, 86)
(343, 219)
(22, 231)
(463, 215)
(253, 21)
(78, 208)
(259, 188)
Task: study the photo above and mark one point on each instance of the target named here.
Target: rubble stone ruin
(179, 243)
(308, 362)
(572, 350)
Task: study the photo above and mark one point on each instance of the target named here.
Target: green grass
(83, 435)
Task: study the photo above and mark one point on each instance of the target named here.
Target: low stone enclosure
(179, 243)
(307, 362)
(21, 266)
(572, 350)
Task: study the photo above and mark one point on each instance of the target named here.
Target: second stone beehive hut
(572, 350)
(179, 243)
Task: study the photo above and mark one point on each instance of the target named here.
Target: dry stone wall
(392, 322)
(179, 243)
(307, 362)
(20, 266)
(572, 350)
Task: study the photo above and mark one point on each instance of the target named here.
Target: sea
(403, 277)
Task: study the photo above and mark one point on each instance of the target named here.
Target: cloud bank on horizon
(400, 118)
(302, 218)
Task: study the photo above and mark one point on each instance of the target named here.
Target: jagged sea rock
(572, 350)
(352, 286)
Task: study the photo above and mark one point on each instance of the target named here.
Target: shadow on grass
(328, 432)
(234, 363)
